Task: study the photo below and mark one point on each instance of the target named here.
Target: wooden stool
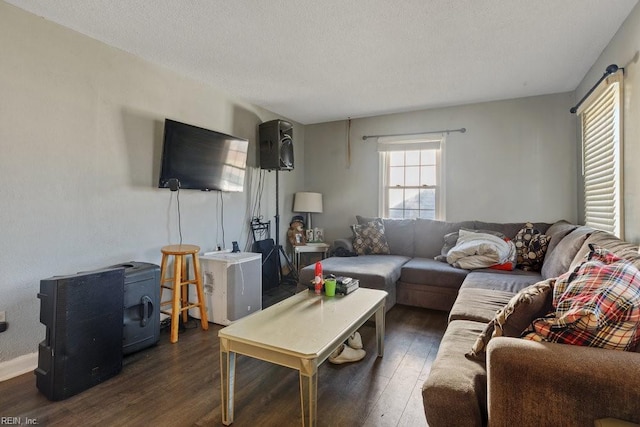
(180, 286)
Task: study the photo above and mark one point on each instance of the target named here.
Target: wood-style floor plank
(179, 384)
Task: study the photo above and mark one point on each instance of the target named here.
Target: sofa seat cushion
(455, 393)
(426, 271)
(373, 271)
(478, 304)
(432, 297)
(508, 281)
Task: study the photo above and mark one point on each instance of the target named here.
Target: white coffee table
(300, 333)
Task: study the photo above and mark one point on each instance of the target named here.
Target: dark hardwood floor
(179, 384)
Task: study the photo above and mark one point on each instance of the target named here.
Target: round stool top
(180, 249)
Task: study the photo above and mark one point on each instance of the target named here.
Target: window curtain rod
(447, 131)
(610, 70)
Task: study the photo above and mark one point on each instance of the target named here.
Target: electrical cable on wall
(222, 218)
(258, 202)
(174, 186)
(258, 233)
(254, 183)
(179, 215)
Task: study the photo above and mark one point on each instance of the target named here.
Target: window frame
(387, 145)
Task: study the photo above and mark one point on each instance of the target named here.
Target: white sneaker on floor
(346, 354)
(355, 341)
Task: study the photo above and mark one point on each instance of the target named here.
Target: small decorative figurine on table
(296, 234)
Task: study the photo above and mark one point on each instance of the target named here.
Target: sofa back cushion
(429, 235)
(617, 246)
(559, 257)
(509, 229)
(557, 232)
(398, 232)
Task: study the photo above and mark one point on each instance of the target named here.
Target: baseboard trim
(18, 366)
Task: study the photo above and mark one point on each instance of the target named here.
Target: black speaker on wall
(276, 145)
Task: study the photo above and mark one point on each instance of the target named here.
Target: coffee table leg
(380, 330)
(309, 392)
(227, 379)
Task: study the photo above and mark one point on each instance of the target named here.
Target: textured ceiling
(323, 60)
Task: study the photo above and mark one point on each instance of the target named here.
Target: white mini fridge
(232, 285)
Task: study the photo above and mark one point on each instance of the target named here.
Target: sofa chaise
(514, 381)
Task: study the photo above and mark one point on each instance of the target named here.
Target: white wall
(623, 51)
(516, 162)
(81, 128)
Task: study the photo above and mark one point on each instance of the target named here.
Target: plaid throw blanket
(596, 305)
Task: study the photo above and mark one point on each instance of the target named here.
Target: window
(411, 184)
(601, 124)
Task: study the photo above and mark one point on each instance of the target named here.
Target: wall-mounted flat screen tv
(202, 159)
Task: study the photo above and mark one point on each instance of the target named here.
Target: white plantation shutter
(602, 158)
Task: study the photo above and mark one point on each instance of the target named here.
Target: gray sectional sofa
(410, 274)
(520, 382)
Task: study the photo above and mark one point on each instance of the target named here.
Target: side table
(319, 248)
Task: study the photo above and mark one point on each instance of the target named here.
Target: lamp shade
(307, 202)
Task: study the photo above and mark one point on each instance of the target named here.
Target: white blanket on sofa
(479, 250)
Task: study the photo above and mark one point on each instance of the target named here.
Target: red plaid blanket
(596, 305)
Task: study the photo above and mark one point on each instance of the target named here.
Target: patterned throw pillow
(514, 318)
(369, 238)
(531, 247)
(597, 305)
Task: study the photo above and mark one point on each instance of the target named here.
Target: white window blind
(602, 157)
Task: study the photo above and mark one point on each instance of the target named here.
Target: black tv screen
(202, 159)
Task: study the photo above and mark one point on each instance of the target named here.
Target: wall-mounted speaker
(276, 145)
